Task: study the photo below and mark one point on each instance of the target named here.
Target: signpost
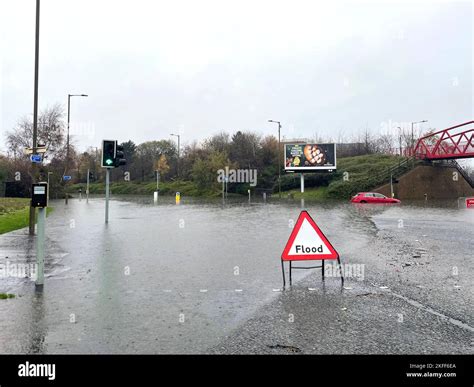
(37, 159)
(307, 242)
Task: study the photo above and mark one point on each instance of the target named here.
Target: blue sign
(36, 159)
(66, 178)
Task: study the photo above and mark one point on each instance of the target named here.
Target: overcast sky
(198, 67)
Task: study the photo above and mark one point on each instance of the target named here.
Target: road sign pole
(40, 247)
(107, 194)
(302, 182)
(87, 187)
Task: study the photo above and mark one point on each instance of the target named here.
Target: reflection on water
(182, 259)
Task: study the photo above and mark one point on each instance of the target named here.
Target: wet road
(203, 277)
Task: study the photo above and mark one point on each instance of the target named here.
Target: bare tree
(50, 132)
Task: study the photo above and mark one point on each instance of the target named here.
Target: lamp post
(179, 138)
(279, 161)
(35, 114)
(400, 139)
(67, 138)
(412, 134)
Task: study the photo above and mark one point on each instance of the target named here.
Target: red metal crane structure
(448, 143)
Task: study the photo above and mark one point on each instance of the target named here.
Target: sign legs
(314, 267)
(283, 273)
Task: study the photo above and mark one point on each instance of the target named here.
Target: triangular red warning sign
(307, 242)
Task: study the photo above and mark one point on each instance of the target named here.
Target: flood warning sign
(307, 242)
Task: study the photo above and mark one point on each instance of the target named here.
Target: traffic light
(108, 153)
(112, 154)
(119, 155)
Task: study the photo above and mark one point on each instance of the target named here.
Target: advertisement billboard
(310, 157)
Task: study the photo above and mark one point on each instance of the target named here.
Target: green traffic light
(109, 162)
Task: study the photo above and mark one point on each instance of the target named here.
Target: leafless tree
(50, 132)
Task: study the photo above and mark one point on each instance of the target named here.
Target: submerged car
(372, 197)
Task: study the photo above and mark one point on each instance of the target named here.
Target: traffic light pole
(107, 194)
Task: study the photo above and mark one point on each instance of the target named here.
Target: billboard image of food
(310, 157)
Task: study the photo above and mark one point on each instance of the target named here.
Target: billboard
(310, 157)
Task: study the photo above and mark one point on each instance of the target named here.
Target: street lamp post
(279, 161)
(35, 114)
(179, 139)
(68, 124)
(400, 139)
(413, 135)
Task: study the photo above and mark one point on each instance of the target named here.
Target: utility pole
(35, 115)
(279, 160)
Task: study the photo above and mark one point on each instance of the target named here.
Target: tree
(205, 170)
(50, 133)
(129, 150)
(148, 152)
(162, 165)
(244, 148)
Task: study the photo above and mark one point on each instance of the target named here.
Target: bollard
(178, 198)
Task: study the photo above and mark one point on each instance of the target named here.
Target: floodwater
(173, 278)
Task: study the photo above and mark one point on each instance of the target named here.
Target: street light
(179, 137)
(68, 122)
(32, 222)
(279, 162)
(400, 138)
(412, 134)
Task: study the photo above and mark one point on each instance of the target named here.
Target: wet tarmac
(204, 277)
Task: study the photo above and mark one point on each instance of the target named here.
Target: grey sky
(197, 67)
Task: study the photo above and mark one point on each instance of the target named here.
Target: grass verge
(14, 214)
